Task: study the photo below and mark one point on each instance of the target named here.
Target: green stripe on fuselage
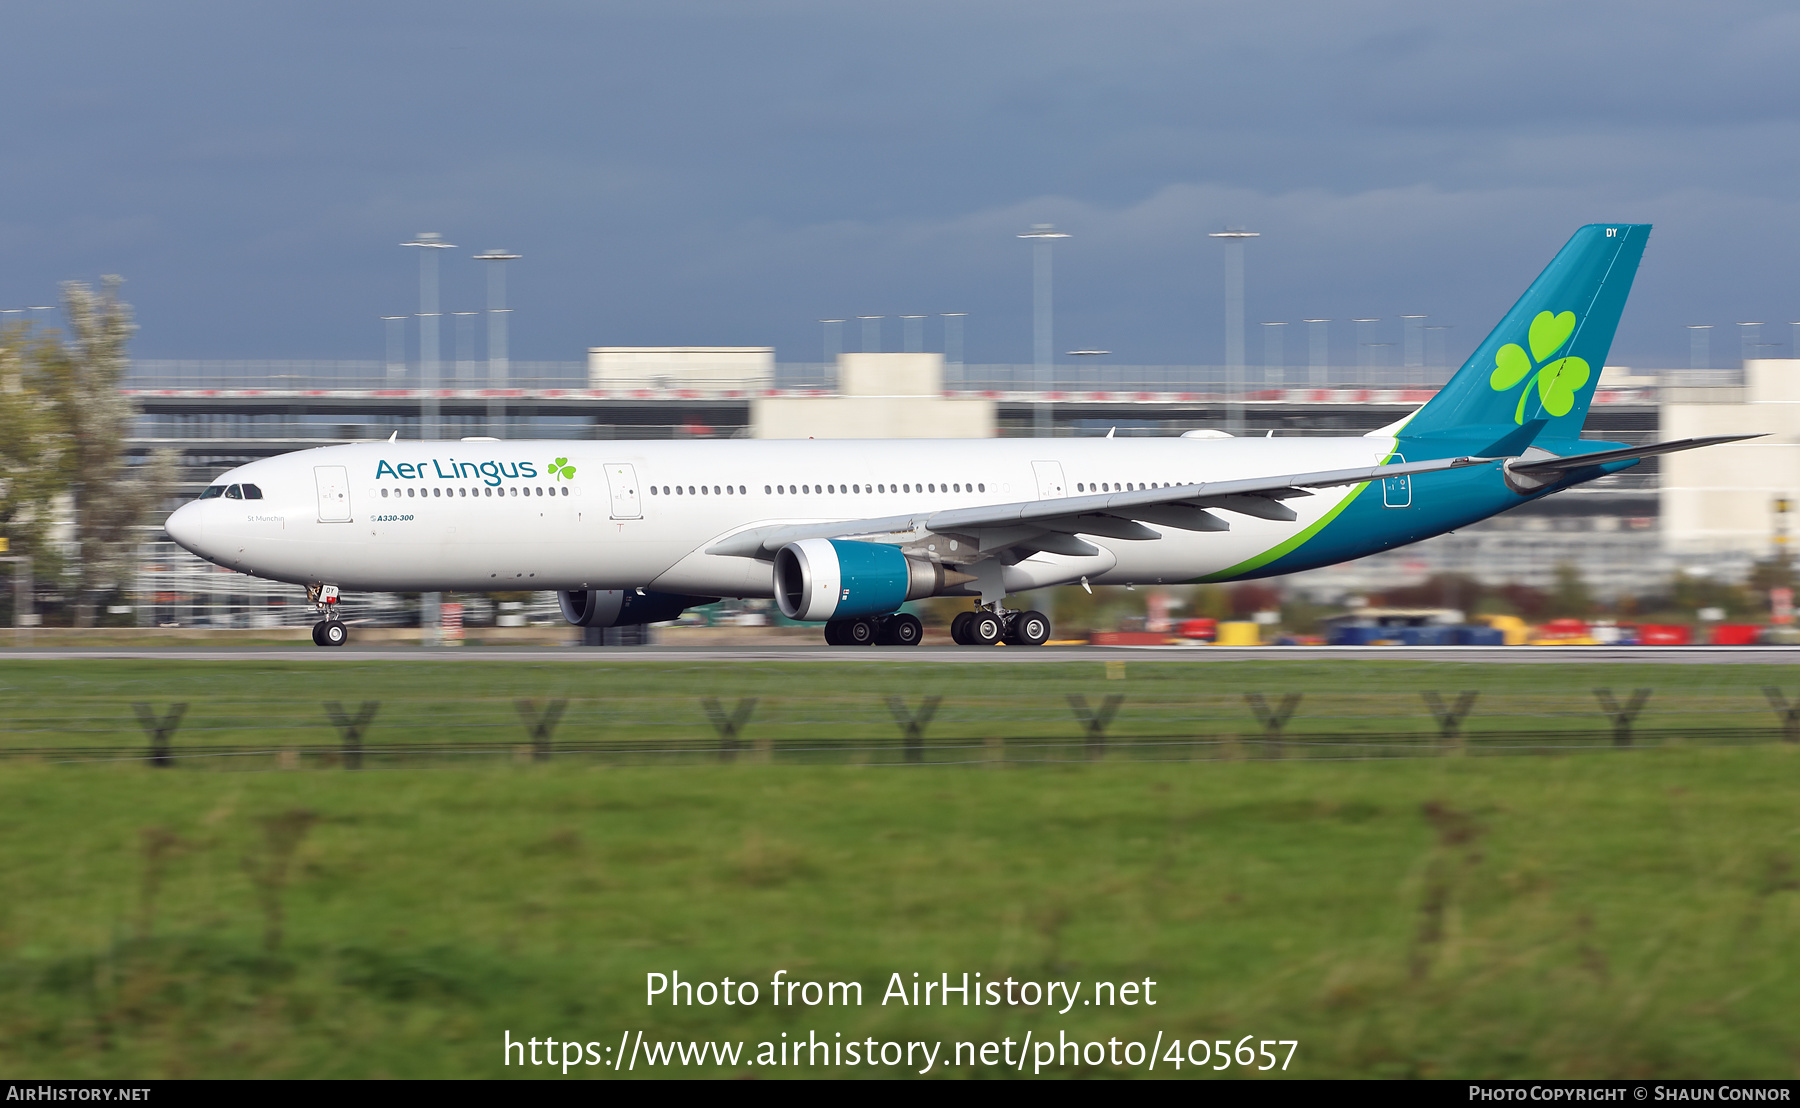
(1287, 545)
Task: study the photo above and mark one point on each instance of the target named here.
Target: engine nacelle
(840, 579)
(622, 607)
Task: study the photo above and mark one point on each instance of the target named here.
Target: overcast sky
(726, 173)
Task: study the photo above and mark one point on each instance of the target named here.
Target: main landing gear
(329, 631)
(899, 629)
(983, 627)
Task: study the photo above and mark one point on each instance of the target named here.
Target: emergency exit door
(621, 481)
(334, 493)
(1396, 492)
(1049, 480)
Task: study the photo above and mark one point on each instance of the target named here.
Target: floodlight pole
(431, 604)
(1234, 325)
(1042, 236)
(1318, 369)
(499, 365)
(428, 243)
(953, 347)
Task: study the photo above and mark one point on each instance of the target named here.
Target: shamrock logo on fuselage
(1557, 381)
(561, 468)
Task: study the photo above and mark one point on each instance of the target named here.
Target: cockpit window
(251, 492)
(212, 492)
(234, 492)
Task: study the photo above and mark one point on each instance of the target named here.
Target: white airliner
(844, 532)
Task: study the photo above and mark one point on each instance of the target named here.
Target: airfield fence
(895, 730)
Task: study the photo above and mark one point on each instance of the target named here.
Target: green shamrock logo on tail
(1557, 381)
(561, 468)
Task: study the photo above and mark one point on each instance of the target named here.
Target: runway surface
(1197, 655)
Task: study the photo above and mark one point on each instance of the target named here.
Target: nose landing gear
(329, 631)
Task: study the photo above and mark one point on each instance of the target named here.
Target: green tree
(31, 446)
(1569, 597)
(113, 493)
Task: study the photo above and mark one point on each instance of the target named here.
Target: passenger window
(982, 488)
(565, 491)
(514, 491)
(384, 494)
(409, 491)
(690, 490)
(435, 491)
(767, 491)
(462, 492)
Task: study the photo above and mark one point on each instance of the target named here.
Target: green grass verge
(1627, 914)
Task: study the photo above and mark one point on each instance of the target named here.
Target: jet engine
(841, 579)
(621, 607)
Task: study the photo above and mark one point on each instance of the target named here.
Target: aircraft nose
(184, 527)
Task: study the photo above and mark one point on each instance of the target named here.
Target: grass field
(1589, 912)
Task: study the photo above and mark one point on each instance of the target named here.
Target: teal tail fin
(1535, 375)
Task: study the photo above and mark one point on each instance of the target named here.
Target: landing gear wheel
(858, 632)
(335, 633)
(833, 633)
(901, 630)
(959, 628)
(985, 629)
(1028, 629)
(319, 633)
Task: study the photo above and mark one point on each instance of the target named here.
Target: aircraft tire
(1029, 629)
(959, 628)
(334, 633)
(902, 630)
(858, 632)
(319, 633)
(985, 629)
(832, 636)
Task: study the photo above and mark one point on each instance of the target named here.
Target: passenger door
(1396, 492)
(334, 493)
(1049, 479)
(621, 480)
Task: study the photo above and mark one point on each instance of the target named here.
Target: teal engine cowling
(826, 579)
(621, 607)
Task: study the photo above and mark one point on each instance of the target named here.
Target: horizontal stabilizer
(1546, 466)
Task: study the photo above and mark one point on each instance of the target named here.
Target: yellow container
(1238, 634)
(1511, 627)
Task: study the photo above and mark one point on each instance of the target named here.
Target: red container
(1128, 638)
(1665, 634)
(1206, 630)
(1735, 634)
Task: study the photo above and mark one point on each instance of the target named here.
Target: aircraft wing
(1028, 526)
